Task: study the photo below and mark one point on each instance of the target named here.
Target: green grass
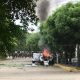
(78, 68)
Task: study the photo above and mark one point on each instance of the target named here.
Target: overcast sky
(56, 3)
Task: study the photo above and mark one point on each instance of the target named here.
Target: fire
(46, 53)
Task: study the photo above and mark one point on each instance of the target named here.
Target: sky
(53, 5)
(56, 3)
(36, 28)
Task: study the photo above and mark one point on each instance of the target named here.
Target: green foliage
(3, 55)
(62, 29)
(64, 25)
(11, 35)
(32, 42)
(18, 9)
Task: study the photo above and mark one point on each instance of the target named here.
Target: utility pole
(76, 51)
(77, 54)
(57, 58)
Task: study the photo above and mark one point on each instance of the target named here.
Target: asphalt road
(21, 69)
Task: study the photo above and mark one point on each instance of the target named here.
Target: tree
(62, 29)
(32, 42)
(11, 10)
(19, 9)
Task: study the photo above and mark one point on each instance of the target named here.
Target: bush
(3, 55)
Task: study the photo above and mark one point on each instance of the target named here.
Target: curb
(67, 68)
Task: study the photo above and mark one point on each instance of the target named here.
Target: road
(21, 69)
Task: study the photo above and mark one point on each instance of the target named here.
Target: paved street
(21, 69)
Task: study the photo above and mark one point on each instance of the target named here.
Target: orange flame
(46, 53)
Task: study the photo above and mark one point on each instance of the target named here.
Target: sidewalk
(68, 68)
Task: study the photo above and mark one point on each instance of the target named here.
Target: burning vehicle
(44, 58)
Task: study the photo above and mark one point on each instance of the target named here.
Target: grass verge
(68, 68)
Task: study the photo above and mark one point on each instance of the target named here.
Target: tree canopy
(62, 29)
(10, 11)
(32, 42)
(18, 9)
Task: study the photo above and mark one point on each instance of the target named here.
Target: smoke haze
(42, 9)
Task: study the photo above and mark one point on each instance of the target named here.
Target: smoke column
(43, 9)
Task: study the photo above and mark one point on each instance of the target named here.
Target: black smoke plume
(43, 9)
